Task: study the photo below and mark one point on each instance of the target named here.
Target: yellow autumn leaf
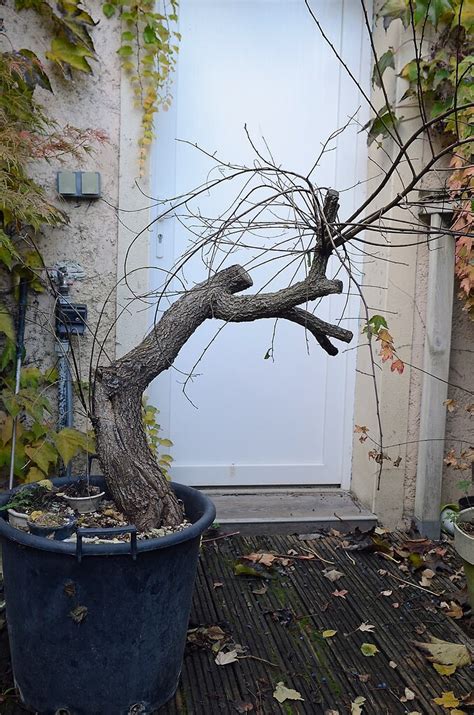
(444, 669)
(369, 649)
(445, 653)
(329, 633)
(447, 699)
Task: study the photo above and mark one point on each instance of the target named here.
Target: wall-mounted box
(78, 184)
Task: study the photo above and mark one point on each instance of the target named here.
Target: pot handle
(113, 531)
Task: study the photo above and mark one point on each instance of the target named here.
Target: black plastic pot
(100, 629)
(56, 532)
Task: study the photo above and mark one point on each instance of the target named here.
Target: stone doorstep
(283, 511)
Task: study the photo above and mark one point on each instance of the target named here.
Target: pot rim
(90, 497)
(205, 506)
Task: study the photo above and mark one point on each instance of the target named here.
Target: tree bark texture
(136, 482)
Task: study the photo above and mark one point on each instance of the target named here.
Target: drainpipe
(439, 317)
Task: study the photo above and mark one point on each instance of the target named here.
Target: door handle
(159, 245)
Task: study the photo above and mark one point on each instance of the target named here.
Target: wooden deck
(280, 632)
(284, 626)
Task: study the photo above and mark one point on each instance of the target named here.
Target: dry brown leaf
(386, 593)
(264, 559)
(340, 594)
(357, 705)
(392, 664)
(455, 610)
(226, 658)
(260, 591)
(366, 627)
(332, 574)
(215, 633)
(282, 693)
(407, 696)
(243, 707)
(217, 584)
(445, 653)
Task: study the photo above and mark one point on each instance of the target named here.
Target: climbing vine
(440, 77)
(148, 51)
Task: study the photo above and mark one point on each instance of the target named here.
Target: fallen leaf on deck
(357, 705)
(78, 614)
(264, 559)
(215, 633)
(282, 693)
(445, 653)
(386, 593)
(468, 699)
(447, 700)
(408, 695)
(331, 712)
(382, 572)
(332, 574)
(329, 633)
(340, 594)
(226, 658)
(243, 707)
(420, 629)
(366, 627)
(395, 605)
(426, 576)
(364, 677)
(260, 591)
(392, 664)
(455, 610)
(444, 669)
(257, 571)
(369, 649)
(217, 584)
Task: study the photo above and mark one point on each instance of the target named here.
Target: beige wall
(91, 236)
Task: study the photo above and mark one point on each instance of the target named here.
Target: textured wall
(91, 237)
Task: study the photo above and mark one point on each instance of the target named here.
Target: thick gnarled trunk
(133, 476)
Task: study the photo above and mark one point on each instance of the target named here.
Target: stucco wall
(459, 422)
(90, 239)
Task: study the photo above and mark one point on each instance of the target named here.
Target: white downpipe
(435, 365)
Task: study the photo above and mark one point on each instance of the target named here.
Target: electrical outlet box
(78, 184)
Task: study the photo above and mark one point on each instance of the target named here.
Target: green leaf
(66, 53)
(433, 11)
(70, 441)
(385, 61)
(125, 51)
(149, 35)
(42, 455)
(383, 125)
(369, 649)
(394, 10)
(34, 475)
(108, 9)
(7, 326)
(128, 36)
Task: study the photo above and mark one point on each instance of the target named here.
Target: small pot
(448, 516)
(84, 505)
(464, 545)
(18, 519)
(59, 533)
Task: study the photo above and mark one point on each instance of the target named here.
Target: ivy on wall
(440, 77)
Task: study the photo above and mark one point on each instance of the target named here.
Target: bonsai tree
(269, 197)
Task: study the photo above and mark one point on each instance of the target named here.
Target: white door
(260, 63)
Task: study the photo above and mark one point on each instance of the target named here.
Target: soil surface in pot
(50, 509)
(467, 527)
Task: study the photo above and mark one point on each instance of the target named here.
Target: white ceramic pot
(18, 519)
(84, 505)
(464, 545)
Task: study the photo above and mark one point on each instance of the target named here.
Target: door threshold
(300, 510)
